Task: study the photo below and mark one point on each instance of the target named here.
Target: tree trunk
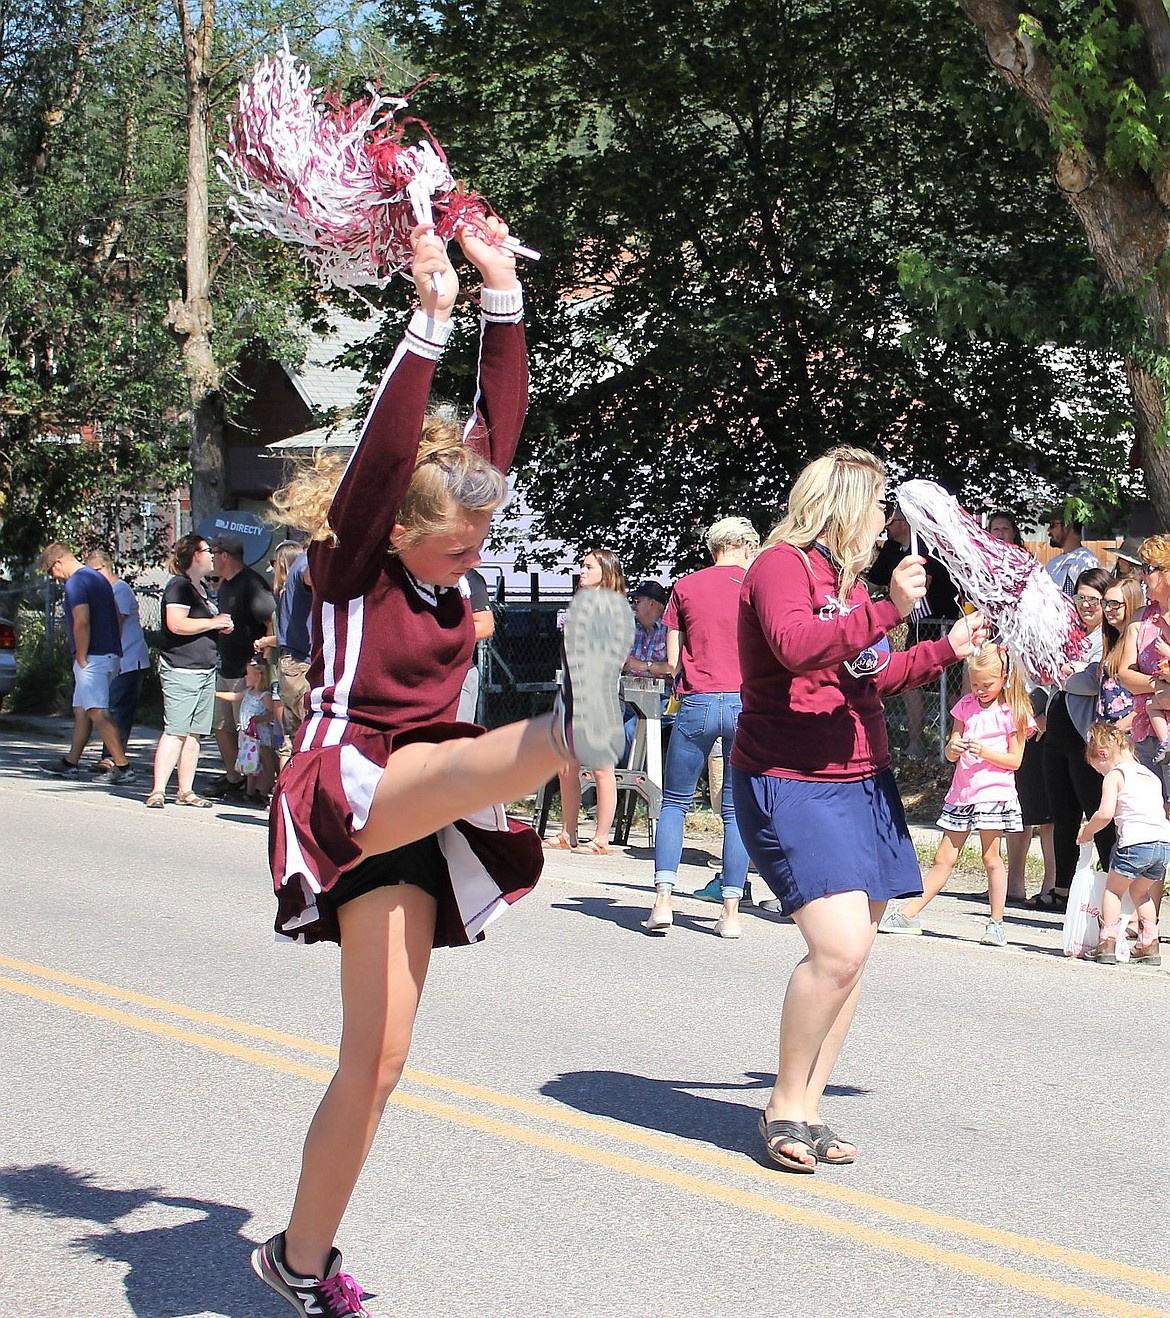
(191, 316)
(1125, 224)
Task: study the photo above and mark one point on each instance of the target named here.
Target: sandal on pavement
(823, 1142)
(777, 1134)
(591, 848)
(1048, 900)
(193, 798)
(559, 843)
(155, 801)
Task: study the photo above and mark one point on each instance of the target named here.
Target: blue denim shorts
(1142, 860)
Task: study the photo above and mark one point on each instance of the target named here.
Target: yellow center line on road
(682, 1181)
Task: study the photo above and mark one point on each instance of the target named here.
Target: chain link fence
(518, 669)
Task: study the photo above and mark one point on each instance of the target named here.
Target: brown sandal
(560, 843)
(156, 801)
(193, 798)
(593, 847)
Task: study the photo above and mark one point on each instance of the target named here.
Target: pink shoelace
(344, 1295)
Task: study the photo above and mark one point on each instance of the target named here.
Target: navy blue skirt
(809, 840)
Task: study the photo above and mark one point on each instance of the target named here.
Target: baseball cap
(651, 590)
(229, 544)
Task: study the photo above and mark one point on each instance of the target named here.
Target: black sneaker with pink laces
(336, 1295)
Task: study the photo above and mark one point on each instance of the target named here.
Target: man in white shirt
(1074, 558)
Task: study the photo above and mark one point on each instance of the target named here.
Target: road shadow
(194, 1267)
(617, 913)
(670, 1108)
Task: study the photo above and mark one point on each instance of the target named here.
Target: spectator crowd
(234, 652)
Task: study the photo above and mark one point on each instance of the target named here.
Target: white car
(7, 658)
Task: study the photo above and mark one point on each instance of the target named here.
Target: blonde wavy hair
(1108, 737)
(832, 501)
(1155, 550)
(449, 477)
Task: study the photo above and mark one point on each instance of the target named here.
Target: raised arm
(376, 479)
(501, 392)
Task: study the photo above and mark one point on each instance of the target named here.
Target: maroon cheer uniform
(390, 653)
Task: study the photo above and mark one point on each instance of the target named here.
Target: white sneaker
(599, 630)
(994, 935)
(894, 922)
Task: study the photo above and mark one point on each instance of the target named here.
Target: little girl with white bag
(1131, 796)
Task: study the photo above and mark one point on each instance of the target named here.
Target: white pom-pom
(1036, 621)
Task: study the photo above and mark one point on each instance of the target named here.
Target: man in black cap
(246, 596)
(648, 653)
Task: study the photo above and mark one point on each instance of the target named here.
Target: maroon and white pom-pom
(1034, 618)
(338, 180)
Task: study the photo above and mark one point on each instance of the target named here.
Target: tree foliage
(768, 228)
(93, 156)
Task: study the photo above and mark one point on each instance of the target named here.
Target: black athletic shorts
(421, 863)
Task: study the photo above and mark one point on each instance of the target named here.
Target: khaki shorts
(227, 712)
(188, 700)
(294, 687)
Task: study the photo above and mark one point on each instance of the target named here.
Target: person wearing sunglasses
(1074, 788)
(1147, 646)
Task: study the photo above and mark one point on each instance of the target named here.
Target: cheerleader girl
(986, 745)
(384, 835)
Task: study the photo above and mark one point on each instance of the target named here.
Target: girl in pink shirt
(986, 745)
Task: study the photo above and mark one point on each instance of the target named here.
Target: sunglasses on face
(1088, 601)
(1147, 568)
(1110, 605)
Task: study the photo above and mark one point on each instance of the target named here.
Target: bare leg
(188, 763)
(989, 841)
(167, 754)
(935, 878)
(1115, 885)
(570, 781)
(1048, 851)
(606, 783)
(1017, 860)
(385, 950)
(822, 996)
(229, 748)
(81, 730)
(108, 731)
(427, 785)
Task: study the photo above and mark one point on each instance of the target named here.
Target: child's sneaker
(894, 922)
(1162, 755)
(994, 935)
(336, 1295)
(599, 630)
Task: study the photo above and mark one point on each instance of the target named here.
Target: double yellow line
(36, 981)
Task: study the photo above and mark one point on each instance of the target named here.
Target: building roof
(323, 386)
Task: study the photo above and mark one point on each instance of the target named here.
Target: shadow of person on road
(631, 917)
(199, 1265)
(668, 1106)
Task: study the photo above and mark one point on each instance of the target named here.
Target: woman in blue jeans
(701, 620)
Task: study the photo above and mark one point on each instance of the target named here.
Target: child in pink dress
(986, 745)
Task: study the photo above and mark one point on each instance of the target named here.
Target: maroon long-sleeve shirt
(804, 714)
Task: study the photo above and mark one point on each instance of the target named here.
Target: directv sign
(256, 536)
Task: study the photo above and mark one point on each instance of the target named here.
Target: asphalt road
(577, 1131)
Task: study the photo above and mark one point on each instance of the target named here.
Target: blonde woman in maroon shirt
(816, 803)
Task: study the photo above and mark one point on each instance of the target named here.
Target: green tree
(95, 403)
(1097, 76)
(742, 208)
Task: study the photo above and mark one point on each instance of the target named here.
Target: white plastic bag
(1082, 916)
